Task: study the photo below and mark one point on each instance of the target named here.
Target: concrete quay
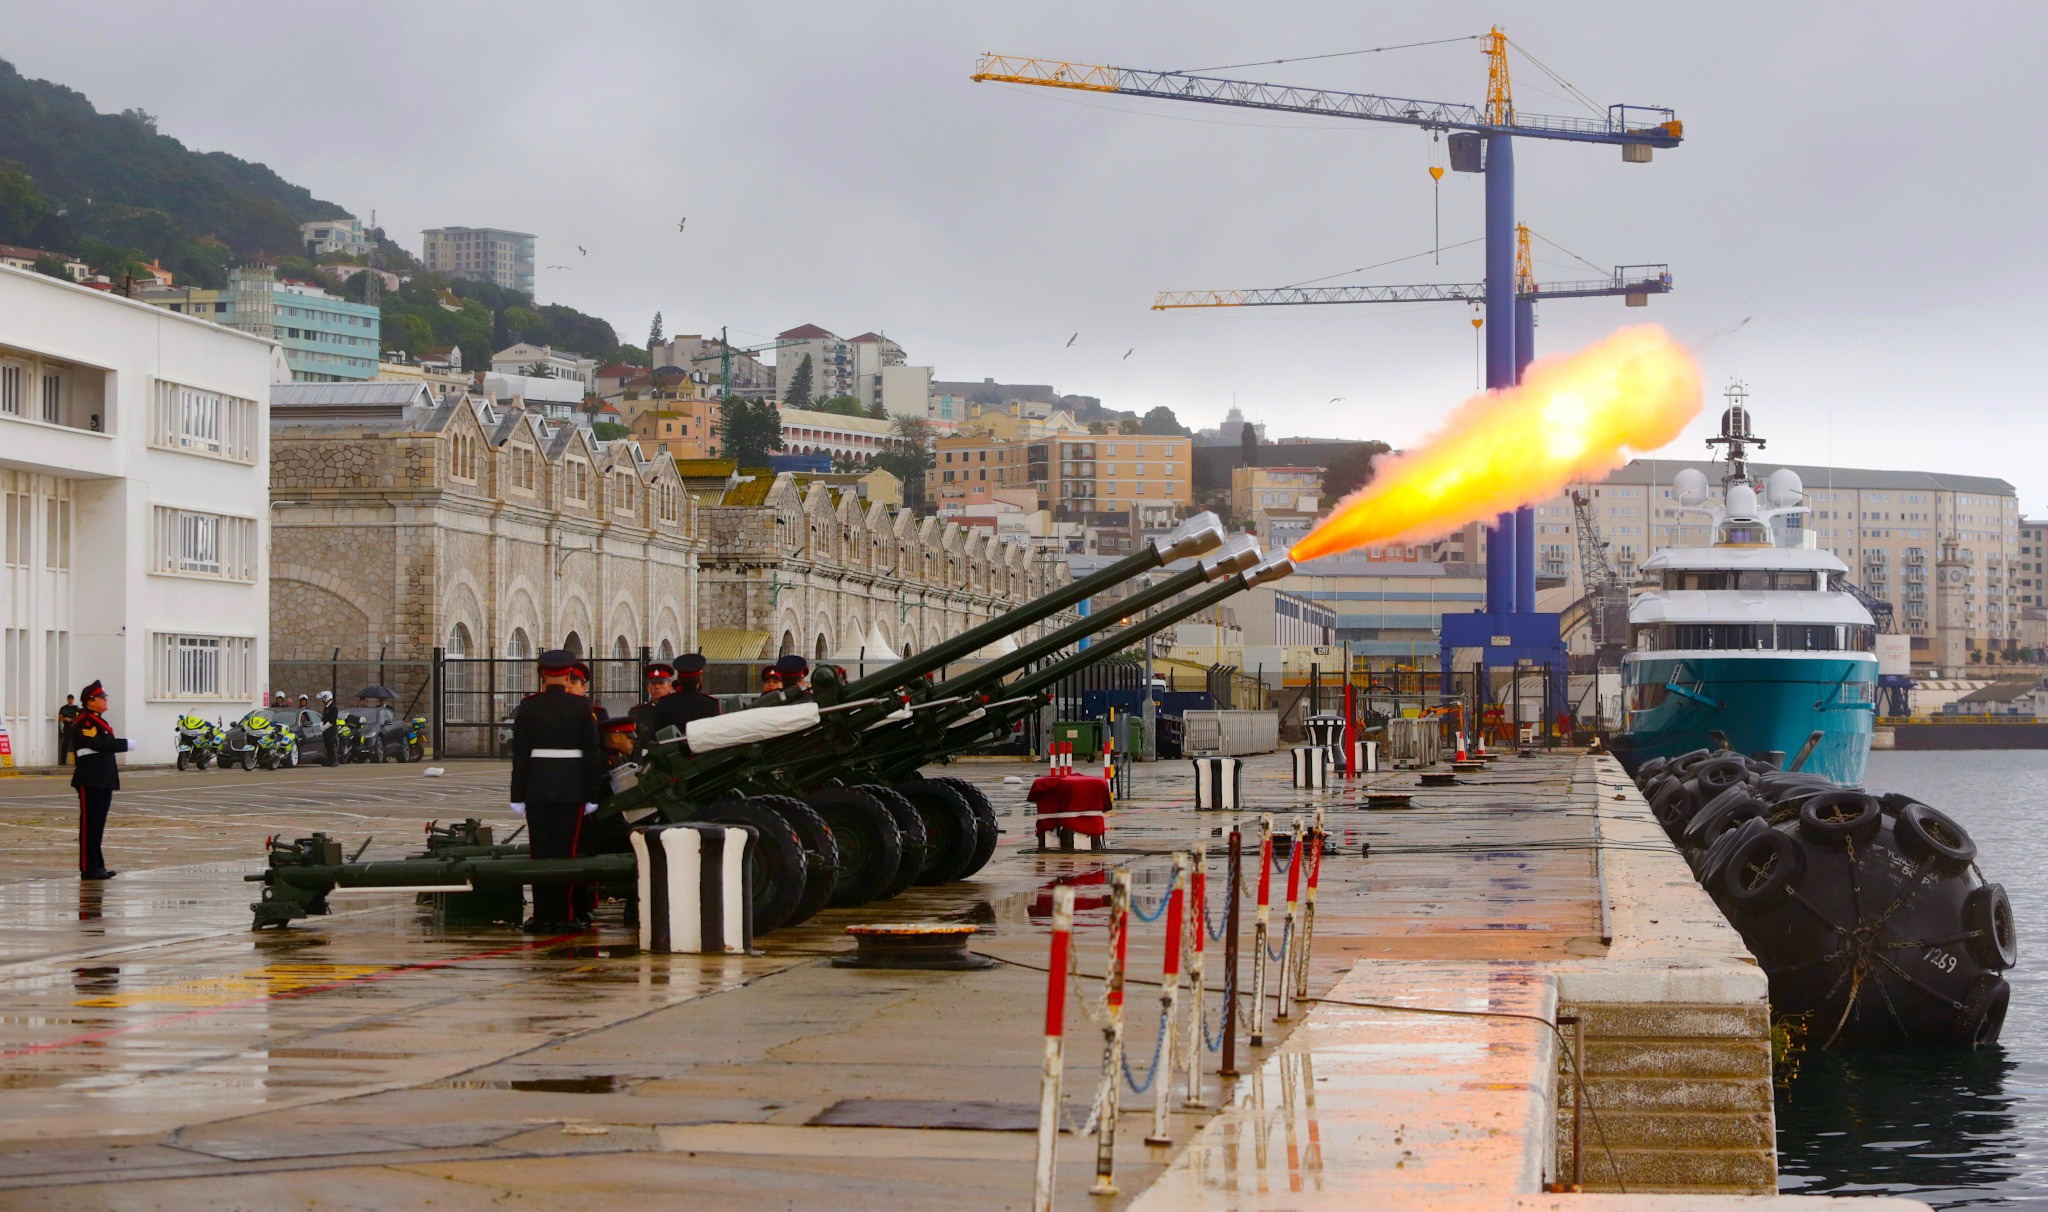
(159, 1055)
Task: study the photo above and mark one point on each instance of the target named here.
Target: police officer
(689, 702)
(330, 727)
(96, 776)
(558, 767)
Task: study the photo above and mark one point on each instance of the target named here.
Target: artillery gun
(829, 785)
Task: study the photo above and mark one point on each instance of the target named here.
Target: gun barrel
(1196, 536)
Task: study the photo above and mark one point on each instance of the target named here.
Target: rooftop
(803, 332)
(1659, 471)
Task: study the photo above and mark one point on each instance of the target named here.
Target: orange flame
(1571, 418)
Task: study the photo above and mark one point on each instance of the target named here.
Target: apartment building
(831, 433)
(518, 359)
(833, 361)
(325, 339)
(1888, 526)
(135, 495)
(343, 235)
(484, 254)
(1073, 476)
(2033, 558)
(751, 378)
(14, 256)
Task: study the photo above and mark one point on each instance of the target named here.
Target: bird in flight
(558, 267)
(583, 250)
(1128, 352)
(1072, 339)
(1336, 399)
(680, 223)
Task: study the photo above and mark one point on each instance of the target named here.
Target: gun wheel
(951, 831)
(986, 829)
(821, 854)
(869, 842)
(916, 840)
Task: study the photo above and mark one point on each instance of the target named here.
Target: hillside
(113, 191)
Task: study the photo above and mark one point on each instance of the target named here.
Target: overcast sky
(1853, 221)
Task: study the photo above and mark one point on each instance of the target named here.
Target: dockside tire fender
(1719, 774)
(1834, 818)
(868, 840)
(821, 854)
(1727, 811)
(1670, 804)
(910, 826)
(1987, 914)
(987, 832)
(1983, 1011)
(1928, 833)
(777, 860)
(1651, 769)
(1714, 859)
(950, 829)
(1683, 764)
(1762, 870)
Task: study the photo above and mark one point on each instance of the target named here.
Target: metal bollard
(1260, 930)
(1109, 765)
(1169, 1001)
(1233, 872)
(1198, 926)
(1289, 942)
(1113, 1034)
(1055, 1045)
(1308, 911)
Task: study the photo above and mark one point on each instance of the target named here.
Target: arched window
(788, 644)
(667, 651)
(573, 644)
(625, 676)
(519, 648)
(458, 640)
(819, 655)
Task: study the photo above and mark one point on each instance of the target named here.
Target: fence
(409, 678)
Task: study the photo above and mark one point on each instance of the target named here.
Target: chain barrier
(1276, 954)
(1152, 1070)
(1158, 910)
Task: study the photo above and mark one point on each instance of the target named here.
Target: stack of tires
(847, 846)
(1867, 912)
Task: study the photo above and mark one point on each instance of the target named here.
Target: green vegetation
(749, 430)
(1349, 470)
(1161, 423)
(609, 431)
(845, 406)
(908, 456)
(799, 393)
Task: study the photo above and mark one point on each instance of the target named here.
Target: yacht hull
(1678, 702)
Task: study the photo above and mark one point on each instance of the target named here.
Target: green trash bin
(1084, 735)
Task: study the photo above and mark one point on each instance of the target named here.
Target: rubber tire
(869, 844)
(248, 759)
(1983, 1012)
(378, 753)
(985, 817)
(182, 756)
(1833, 818)
(1989, 911)
(910, 824)
(1739, 886)
(203, 759)
(1925, 833)
(1727, 811)
(950, 829)
(1715, 860)
(1651, 769)
(1719, 774)
(821, 854)
(778, 857)
(1669, 805)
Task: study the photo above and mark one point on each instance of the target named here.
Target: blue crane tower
(1480, 139)
(1633, 283)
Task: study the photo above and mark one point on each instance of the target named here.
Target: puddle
(607, 1083)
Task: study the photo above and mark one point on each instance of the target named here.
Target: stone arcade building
(402, 523)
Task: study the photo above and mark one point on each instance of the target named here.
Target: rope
(1158, 1053)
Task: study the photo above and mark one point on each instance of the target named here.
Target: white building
(486, 254)
(518, 359)
(559, 400)
(343, 235)
(808, 432)
(833, 362)
(134, 485)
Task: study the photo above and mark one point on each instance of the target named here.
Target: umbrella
(376, 692)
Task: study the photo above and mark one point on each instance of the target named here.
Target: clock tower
(1951, 624)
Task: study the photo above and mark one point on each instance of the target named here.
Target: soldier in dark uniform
(795, 673)
(65, 714)
(689, 702)
(660, 678)
(96, 776)
(558, 767)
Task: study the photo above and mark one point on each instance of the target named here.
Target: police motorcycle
(263, 738)
(416, 739)
(357, 740)
(199, 742)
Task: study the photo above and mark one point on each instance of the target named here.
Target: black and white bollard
(1219, 783)
(696, 888)
(1311, 766)
(1365, 757)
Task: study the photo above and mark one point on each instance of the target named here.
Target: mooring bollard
(1289, 943)
(1113, 1034)
(1198, 981)
(1055, 1045)
(1260, 930)
(1308, 910)
(1233, 873)
(1169, 1000)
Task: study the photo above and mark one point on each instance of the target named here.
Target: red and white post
(1198, 979)
(1109, 764)
(1308, 908)
(1055, 1045)
(1290, 942)
(1113, 1034)
(1169, 1000)
(1261, 930)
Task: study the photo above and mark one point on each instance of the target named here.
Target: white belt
(556, 753)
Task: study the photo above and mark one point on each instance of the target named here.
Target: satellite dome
(1689, 486)
(1741, 501)
(1735, 422)
(1784, 488)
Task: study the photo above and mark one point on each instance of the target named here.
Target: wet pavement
(160, 1055)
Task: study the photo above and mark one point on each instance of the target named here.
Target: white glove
(518, 810)
(589, 808)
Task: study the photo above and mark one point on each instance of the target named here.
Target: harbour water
(1955, 1130)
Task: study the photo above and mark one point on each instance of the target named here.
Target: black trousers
(332, 741)
(553, 831)
(93, 803)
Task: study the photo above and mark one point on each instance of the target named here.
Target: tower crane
(1480, 139)
(724, 357)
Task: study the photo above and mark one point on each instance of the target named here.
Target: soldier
(65, 714)
(660, 680)
(771, 681)
(558, 767)
(795, 673)
(97, 777)
(689, 702)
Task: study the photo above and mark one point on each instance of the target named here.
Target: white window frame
(193, 420)
(13, 377)
(180, 547)
(191, 667)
